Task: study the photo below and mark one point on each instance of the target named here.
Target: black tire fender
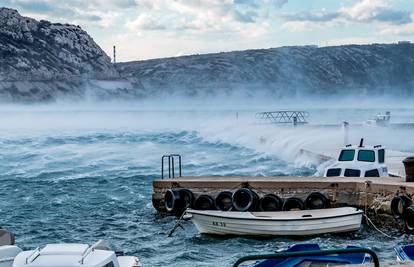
(270, 202)
(317, 200)
(244, 199)
(224, 201)
(293, 203)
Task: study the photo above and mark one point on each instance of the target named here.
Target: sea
(84, 173)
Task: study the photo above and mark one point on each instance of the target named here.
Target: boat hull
(223, 223)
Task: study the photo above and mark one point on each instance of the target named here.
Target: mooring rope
(376, 228)
(177, 224)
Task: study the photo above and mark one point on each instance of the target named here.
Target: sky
(145, 29)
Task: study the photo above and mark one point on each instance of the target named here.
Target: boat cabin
(70, 255)
(359, 161)
(380, 120)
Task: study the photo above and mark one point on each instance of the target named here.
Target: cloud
(146, 22)
(375, 10)
(364, 11)
(318, 17)
(92, 12)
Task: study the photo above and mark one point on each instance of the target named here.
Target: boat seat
(6, 237)
(9, 252)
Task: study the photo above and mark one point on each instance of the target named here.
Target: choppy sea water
(81, 176)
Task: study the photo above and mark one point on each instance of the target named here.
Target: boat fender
(170, 199)
(317, 200)
(245, 199)
(178, 200)
(204, 202)
(270, 202)
(409, 219)
(293, 203)
(398, 205)
(224, 201)
(187, 197)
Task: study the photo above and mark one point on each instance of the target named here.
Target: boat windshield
(366, 155)
(347, 155)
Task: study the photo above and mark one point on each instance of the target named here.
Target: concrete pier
(371, 194)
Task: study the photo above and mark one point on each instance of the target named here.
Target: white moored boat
(65, 255)
(279, 223)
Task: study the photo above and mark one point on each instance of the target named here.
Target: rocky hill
(41, 61)
(44, 61)
(374, 68)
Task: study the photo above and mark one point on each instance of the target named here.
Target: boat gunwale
(357, 212)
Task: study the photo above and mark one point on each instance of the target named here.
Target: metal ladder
(171, 165)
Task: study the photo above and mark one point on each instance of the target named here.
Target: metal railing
(310, 253)
(32, 256)
(295, 117)
(171, 165)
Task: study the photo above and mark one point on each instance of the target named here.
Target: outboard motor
(6, 238)
(245, 199)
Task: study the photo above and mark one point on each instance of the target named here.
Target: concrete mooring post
(345, 128)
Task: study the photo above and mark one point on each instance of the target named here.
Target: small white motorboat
(66, 255)
(279, 223)
(359, 161)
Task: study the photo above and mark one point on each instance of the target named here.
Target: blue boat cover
(354, 258)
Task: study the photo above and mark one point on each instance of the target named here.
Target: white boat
(66, 255)
(359, 161)
(280, 223)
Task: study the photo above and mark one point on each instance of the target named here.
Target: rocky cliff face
(33, 49)
(283, 71)
(41, 61)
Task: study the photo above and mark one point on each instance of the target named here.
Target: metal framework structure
(295, 117)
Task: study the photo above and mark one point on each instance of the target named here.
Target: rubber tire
(221, 201)
(409, 219)
(398, 205)
(187, 198)
(171, 200)
(204, 202)
(270, 202)
(245, 199)
(293, 203)
(324, 202)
